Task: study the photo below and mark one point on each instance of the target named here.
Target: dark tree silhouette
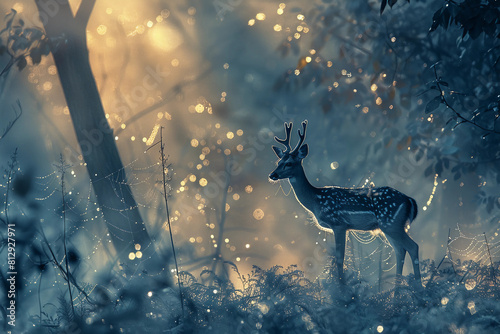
(67, 35)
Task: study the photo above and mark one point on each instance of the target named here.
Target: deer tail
(413, 209)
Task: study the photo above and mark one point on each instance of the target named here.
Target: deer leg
(400, 252)
(340, 252)
(412, 248)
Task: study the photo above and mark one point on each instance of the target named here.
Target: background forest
(136, 146)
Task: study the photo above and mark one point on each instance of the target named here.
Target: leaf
(9, 21)
(36, 56)
(446, 17)
(392, 2)
(382, 6)
(436, 20)
(439, 167)
(45, 47)
(449, 150)
(446, 162)
(433, 104)
(490, 15)
(21, 63)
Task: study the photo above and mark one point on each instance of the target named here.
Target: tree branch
(11, 123)
(461, 118)
(84, 11)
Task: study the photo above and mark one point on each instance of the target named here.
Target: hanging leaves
(21, 63)
(384, 3)
(472, 16)
(21, 43)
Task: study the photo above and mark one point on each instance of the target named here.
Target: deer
(338, 210)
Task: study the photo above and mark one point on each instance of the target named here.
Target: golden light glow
(277, 27)
(248, 189)
(152, 137)
(470, 284)
(165, 13)
(251, 22)
(431, 197)
(52, 70)
(140, 29)
(199, 108)
(164, 37)
(378, 101)
(260, 16)
(194, 142)
(18, 7)
(203, 182)
(258, 214)
(102, 29)
(47, 85)
(373, 88)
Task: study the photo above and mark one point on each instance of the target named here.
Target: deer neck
(304, 191)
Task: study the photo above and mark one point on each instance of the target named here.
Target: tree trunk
(96, 140)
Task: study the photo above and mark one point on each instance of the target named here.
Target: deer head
(290, 160)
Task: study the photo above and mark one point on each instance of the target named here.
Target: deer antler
(302, 136)
(286, 141)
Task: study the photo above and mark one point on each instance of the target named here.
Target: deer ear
(303, 151)
(278, 151)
